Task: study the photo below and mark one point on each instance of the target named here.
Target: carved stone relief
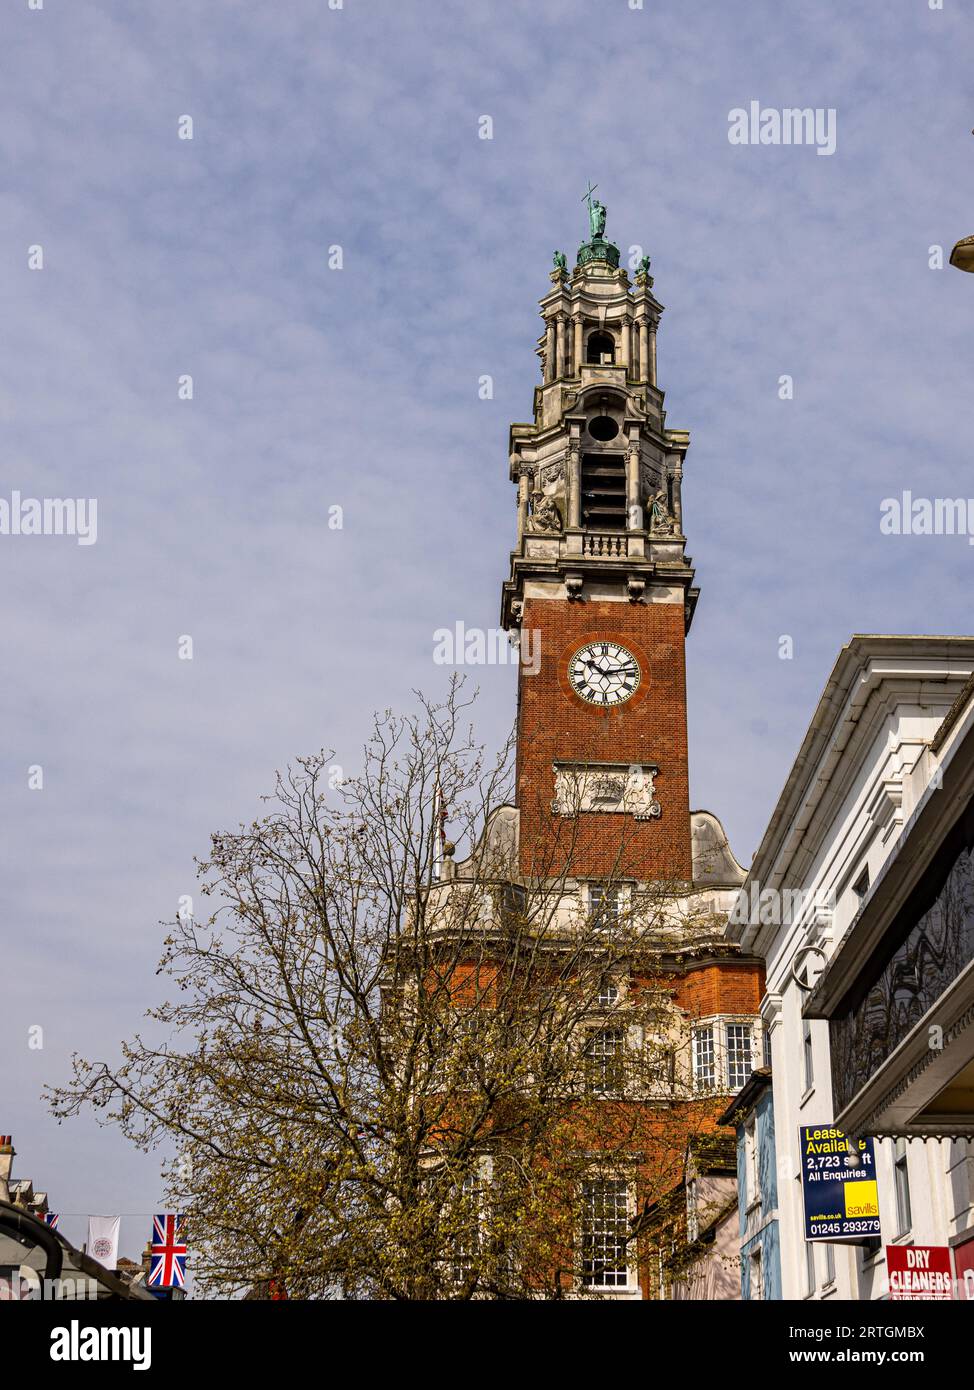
(623, 788)
(545, 513)
(551, 473)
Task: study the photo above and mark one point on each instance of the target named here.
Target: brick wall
(724, 987)
(555, 724)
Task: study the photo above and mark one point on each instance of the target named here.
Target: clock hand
(625, 669)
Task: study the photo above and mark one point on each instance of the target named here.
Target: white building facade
(862, 769)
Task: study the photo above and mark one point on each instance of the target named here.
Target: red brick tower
(602, 592)
(600, 584)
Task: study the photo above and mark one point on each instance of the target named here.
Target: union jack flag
(50, 1218)
(168, 1250)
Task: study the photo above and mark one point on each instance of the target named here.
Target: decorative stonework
(613, 787)
(573, 587)
(921, 959)
(598, 249)
(660, 518)
(649, 479)
(551, 473)
(545, 514)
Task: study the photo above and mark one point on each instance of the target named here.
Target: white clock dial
(604, 673)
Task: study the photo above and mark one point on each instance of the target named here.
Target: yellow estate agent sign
(838, 1185)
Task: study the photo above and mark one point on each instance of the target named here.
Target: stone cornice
(932, 819)
(871, 676)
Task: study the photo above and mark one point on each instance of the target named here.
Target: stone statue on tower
(596, 215)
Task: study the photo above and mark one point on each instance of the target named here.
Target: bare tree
(390, 1074)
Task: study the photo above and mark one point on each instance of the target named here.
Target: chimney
(6, 1163)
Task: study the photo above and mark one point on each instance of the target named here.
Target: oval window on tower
(603, 427)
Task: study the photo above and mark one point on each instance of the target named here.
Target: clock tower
(600, 584)
(605, 870)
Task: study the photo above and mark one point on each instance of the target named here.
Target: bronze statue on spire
(596, 213)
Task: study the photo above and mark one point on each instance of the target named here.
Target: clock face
(604, 673)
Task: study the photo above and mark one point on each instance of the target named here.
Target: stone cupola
(599, 474)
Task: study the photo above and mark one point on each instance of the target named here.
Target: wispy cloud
(314, 387)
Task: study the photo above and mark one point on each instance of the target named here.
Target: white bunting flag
(103, 1239)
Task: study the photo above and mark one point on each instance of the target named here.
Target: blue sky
(316, 387)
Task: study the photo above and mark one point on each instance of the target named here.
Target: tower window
(693, 1212)
(604, 1058)
(466, 1241)
(738, 1054)
(704, 1059)
(605, 1233)
(601, 348)
(608, 995)
(603, 427)
(513, 905)
(604, 492)
(605, 905)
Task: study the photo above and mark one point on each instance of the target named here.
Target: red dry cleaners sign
(918, 1272)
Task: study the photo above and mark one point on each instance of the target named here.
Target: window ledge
(622, 1291)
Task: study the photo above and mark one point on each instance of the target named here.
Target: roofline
(953, 716)
(747, 1096)
(830, 712)
(933, 818)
